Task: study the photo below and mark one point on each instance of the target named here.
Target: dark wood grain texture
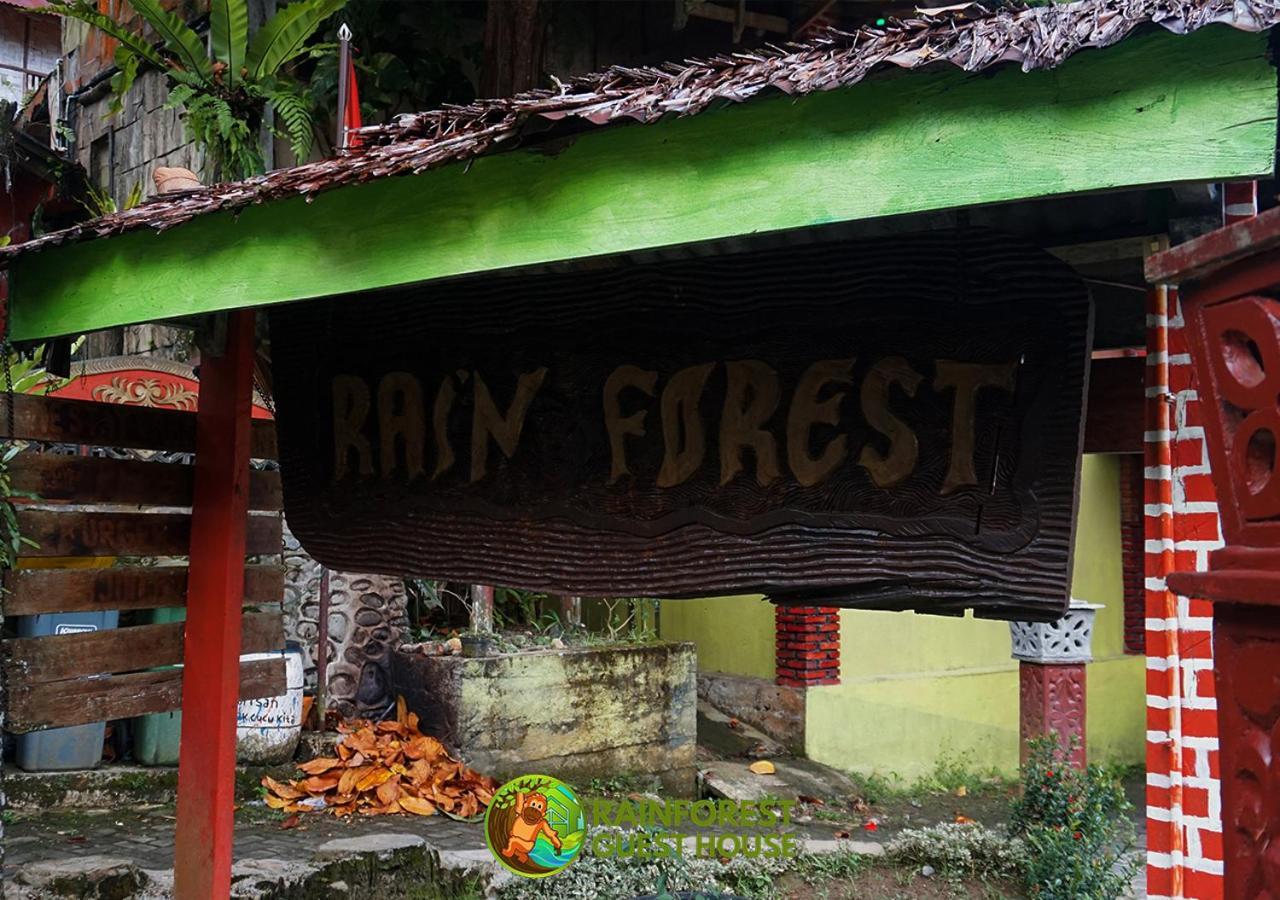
(73, 533)
(410, 444)
(114, 425)
(34, 706)
(53, 477)
(36, 591)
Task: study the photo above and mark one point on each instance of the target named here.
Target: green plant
(960, 850)
(100, 202)
(13, 539)
(592, 877)
(513, 607)
(843, 865)
(426, 599)
(225, 98)
(1075, 825)
(411, 56)
(632, 619)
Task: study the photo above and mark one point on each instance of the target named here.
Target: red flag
(351, 121)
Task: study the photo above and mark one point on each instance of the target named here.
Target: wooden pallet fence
(91, 507)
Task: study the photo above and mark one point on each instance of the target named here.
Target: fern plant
(225, 90)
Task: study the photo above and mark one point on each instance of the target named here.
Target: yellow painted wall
(918, 688)
(915, 689)
(734, 635)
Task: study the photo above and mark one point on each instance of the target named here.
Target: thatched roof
(966, 36)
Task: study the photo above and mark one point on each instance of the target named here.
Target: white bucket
(267, 730)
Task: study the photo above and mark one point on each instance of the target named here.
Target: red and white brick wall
(807, 645)
(1184, 812)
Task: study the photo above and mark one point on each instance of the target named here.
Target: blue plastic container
(59, 749)
(156, 736)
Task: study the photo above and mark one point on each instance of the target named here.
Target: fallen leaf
(964, 820)
(962, 791)
(283, 791)
(417, 806)
(373, 779)
(812, 801)
(318, 784)
(389, 791)
(385, 768)
(291, 822)
(320, 766)
(763, 767)
(735, 724)
(842, 835)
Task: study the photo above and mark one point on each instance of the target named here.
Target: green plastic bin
(156, 736)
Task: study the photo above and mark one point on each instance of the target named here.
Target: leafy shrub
(960, 850)
(594, 877)
(1075, 826)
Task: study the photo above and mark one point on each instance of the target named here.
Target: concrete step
(795, 778)
(721, 736)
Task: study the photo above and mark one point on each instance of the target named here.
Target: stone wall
(367, 621)
(121, 151)
(577, 714)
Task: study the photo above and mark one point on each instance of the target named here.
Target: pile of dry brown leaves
(382, 768)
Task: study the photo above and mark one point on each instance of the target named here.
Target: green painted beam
(1157, 108)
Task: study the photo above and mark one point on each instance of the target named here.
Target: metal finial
(344, 32)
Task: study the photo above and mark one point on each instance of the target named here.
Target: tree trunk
(514, 31)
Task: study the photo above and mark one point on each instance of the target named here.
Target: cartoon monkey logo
(530, 821)
(534, 826)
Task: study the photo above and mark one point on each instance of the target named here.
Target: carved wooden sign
(888, 424)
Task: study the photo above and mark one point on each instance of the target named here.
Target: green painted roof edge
(1156, 109)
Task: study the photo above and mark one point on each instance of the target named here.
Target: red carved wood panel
(1240, 360)
(141, 381)
(1247, 666)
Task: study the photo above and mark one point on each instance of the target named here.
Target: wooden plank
(931, 139)
(88, 422)
(54, 477)
(129, 534)
(34, 707)
(1117, 405)
(36, 591)
(62, 656)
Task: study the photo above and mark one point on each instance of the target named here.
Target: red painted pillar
(1051, 677)
(807, 650)
(215, 593)
(1051, 698)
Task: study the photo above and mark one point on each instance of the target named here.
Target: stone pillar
(367, 618)
(1051, 676)
(808, 645)
(367, 621)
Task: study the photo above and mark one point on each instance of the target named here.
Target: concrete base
(775, 709)
(575, 714)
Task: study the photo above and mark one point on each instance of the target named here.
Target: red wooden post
(211, 677)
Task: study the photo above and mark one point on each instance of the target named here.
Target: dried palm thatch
(383, 768)
(967, 36)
